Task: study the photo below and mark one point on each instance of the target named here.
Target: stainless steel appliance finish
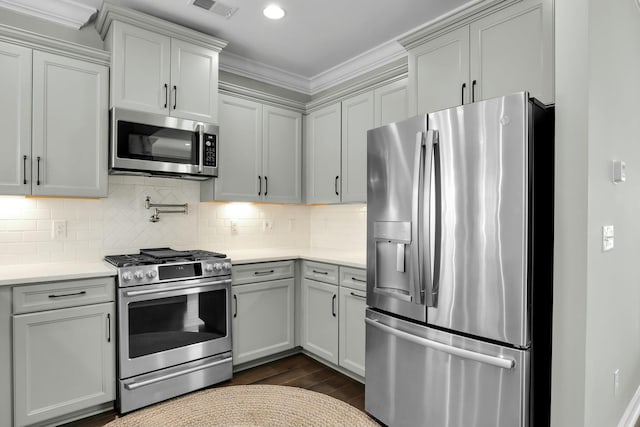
(174, 324)
(454, 244)
(156, 145)
(424, 376)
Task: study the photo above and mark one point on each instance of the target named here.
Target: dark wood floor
(298, 371)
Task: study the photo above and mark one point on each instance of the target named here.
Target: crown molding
(252, 94)
(64, 12)
(53, 45)
(236, 64)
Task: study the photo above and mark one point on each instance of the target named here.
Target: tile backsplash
(120, 224)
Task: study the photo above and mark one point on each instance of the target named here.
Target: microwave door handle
(200, 130)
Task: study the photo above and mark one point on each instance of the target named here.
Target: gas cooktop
(155, 256)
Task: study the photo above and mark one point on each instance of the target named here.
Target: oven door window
(162, 324)
(145, 142)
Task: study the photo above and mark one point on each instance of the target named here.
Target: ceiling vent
(216, 7)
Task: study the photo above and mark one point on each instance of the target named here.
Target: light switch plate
(619, 171)
(607, 237)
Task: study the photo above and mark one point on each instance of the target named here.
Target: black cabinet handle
(333, 305)
(38, 176)
(24, 169)
(175, 96)
(353, 294)
(473, 91)
(266, 185)
(108, 327)
(262, 273)
(320, 272)
(166, 95)
(259, 185)
(355, 279)
(75, 294)
(235, 299)
(464, 85)
(336, 185)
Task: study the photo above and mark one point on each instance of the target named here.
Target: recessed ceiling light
(273, 11)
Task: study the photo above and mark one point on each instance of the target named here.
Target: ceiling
(313, 41)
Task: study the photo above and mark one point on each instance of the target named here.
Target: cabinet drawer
(354, 278)
(49, 296)
(261, 272)
(327, 273)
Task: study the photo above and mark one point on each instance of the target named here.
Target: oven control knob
(139, 275)
(151, 274)
(208, 268)
(127, 276)
(217, 267)
(226, 266)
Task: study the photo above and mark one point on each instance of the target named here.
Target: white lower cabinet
(64, 361)
(333, 314)
(263, 310)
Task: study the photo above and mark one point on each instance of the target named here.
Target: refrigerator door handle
(497, 361)
(416, 219)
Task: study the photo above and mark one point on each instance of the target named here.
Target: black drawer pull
(320, 272)
(263, 273)
(355, 279)
(359, 296)
(75, 294)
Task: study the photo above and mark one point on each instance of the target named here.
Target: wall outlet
(59, 229)
(267, 225)
(291, 224)
(616, 382)
(608, 235)
(234, 226)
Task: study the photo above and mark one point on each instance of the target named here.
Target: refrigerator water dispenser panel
(392, 242)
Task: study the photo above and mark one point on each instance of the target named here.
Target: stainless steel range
(174, 324)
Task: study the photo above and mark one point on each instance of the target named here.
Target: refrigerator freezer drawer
(422, 376)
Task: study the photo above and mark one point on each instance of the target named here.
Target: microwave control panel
(210, 150)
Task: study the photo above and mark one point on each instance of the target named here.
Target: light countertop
(49, 272)
(349, 259)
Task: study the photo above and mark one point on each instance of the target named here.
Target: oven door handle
(134, 385)
(176, 288)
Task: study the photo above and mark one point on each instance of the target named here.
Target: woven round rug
(248, 405)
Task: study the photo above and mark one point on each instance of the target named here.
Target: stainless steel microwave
(155, 145)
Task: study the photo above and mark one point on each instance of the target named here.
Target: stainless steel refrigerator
(459, 266)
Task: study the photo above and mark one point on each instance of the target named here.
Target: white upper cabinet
(357, 118)
(260, 153)
(322, 141)
(155, 73)
(390, 103)
(439, 73)
(70, 127)
(512, 50)
(15, 119)
(507, 51)
(54, 120)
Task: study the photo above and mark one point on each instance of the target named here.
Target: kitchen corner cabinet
(263, 310)
(507, 51)
(260, 153)
(336, 141)
(55, 112)
(155, 73)
(64, 353)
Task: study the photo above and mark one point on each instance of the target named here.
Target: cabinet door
(194, 82)
(391, 103)
(15, 119)
(262, 319)
(320, 319)
(438, 70)
(70, 127)
(64, 361)
(357, 119)
(352, 329)
(512, 51)
(140, 69)
(322, 163)
(282, 158)
(240, 173)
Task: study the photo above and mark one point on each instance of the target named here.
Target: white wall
(597, 294)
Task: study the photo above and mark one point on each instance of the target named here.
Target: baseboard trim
(632, 414)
